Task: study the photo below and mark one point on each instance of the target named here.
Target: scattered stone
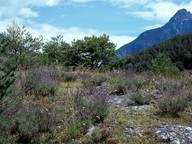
(90, 130)
(143, 107)
(175, 134)
(155, 94)
(120, 100)
(133, 131)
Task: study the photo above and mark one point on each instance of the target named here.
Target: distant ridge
(180, 23)
(178, 49)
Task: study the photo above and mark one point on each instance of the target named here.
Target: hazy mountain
(180, 23)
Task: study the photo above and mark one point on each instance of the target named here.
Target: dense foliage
(17, 49)
(178, 49)
(162, 65)
(90, 52)
(7, 71)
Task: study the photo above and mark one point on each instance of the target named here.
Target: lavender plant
(23, 122)
(38, 82)
(92, 106)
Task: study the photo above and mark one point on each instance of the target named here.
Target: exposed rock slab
(142, 107)
(120, 100)
(133, 131)
(175, 134)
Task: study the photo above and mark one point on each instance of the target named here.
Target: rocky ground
(173, 134)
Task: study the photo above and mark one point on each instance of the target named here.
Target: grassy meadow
(54, 105)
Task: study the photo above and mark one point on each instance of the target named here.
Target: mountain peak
(180, 23)
(181, 15)
(182, 11)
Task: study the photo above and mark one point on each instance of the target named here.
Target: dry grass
(120, 118)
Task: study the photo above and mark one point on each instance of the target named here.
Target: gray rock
(155, 94)
(143, 107)
(120, 100)
(90, 130)
(133, 131)
(175, 134)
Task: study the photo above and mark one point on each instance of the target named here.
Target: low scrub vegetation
(68, 93)
(173, 106)
(141, 99)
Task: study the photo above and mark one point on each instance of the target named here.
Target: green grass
(119, 118)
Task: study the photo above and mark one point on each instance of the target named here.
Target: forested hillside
(179, 49)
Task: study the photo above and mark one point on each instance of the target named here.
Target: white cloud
(71, 33)
(27, 12)
(148, 15)
(160, 10)
(48, 31)
(21, 11)
(121, 40)
(13, 8)
(41, 2)
(8, 22)
(52, 2)
(80, 1)
(149, 27)
(127, 3)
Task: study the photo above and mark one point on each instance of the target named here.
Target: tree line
(178, 49)
(19, 46)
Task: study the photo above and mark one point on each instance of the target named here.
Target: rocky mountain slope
(180, 23)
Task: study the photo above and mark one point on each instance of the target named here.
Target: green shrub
(38, 81)
(140, 99)
(119, 84)
(91, 105)
(100, 135)
(166, 85)
(68, 77)
(172, 106)
(25, 122)
(189, 98)
(73, 130)
(94, 81)
(163, 65)
(137, 84)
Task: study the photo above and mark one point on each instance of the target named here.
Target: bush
(172, 106)
(189, 98)
(137, 84)
(23, 123)
(164, 66)
(38, 81)
(85, 109)
(141, 99)
(68, 77)
(94, 81)
(167, 85)
(90, 105)
(119, 84)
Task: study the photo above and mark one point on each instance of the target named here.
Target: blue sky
(122, 20)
